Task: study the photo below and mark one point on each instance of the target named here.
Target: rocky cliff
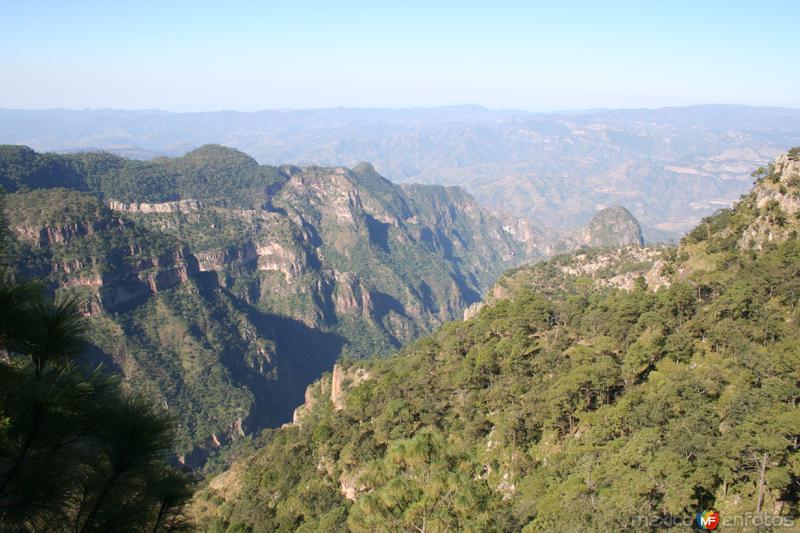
(223, 288)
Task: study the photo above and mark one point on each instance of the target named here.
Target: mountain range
(221, 287)
(669, 167)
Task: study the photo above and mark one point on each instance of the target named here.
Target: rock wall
(777, 197)
(179, 206)
(333, 388)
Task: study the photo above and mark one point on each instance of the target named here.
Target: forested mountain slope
(221, 288)
(566, 403)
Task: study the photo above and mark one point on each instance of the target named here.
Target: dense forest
(563, 406)
(210, 173)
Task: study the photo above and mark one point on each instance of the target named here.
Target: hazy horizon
(403, 108)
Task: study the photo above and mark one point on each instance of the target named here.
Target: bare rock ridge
(181, 206)
(777, 200)
(610, 227)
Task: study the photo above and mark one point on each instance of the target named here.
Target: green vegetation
(48, 207)
(77, 453)
(566, 400)
(175, 347)
(423, 485)
(212, 173)
(225, 309)
(563, 404)
(22, 168)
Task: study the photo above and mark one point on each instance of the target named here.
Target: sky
(539, 56)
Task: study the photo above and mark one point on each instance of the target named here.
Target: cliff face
(182, 206)
(346, 250)
(87, 246)
(331, 388)
(226, 305)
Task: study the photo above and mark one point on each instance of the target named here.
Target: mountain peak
(364, 168)
(218, 154)
(612, 227)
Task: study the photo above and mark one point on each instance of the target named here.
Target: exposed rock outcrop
(349, 485)
(233, 257)
(351, 296)
(179, 206)
(343, 379)
(333, 388)
(611, 227)
(622, 268)
(61, 233)
(473, 310)
(291, 261)
(777, 198)
(618, 268)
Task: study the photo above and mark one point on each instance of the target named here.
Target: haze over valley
(669, 166)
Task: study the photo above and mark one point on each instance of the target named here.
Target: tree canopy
(77, 453)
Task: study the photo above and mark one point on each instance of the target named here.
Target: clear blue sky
(246, 55)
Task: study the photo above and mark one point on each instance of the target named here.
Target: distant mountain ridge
(668, 166)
